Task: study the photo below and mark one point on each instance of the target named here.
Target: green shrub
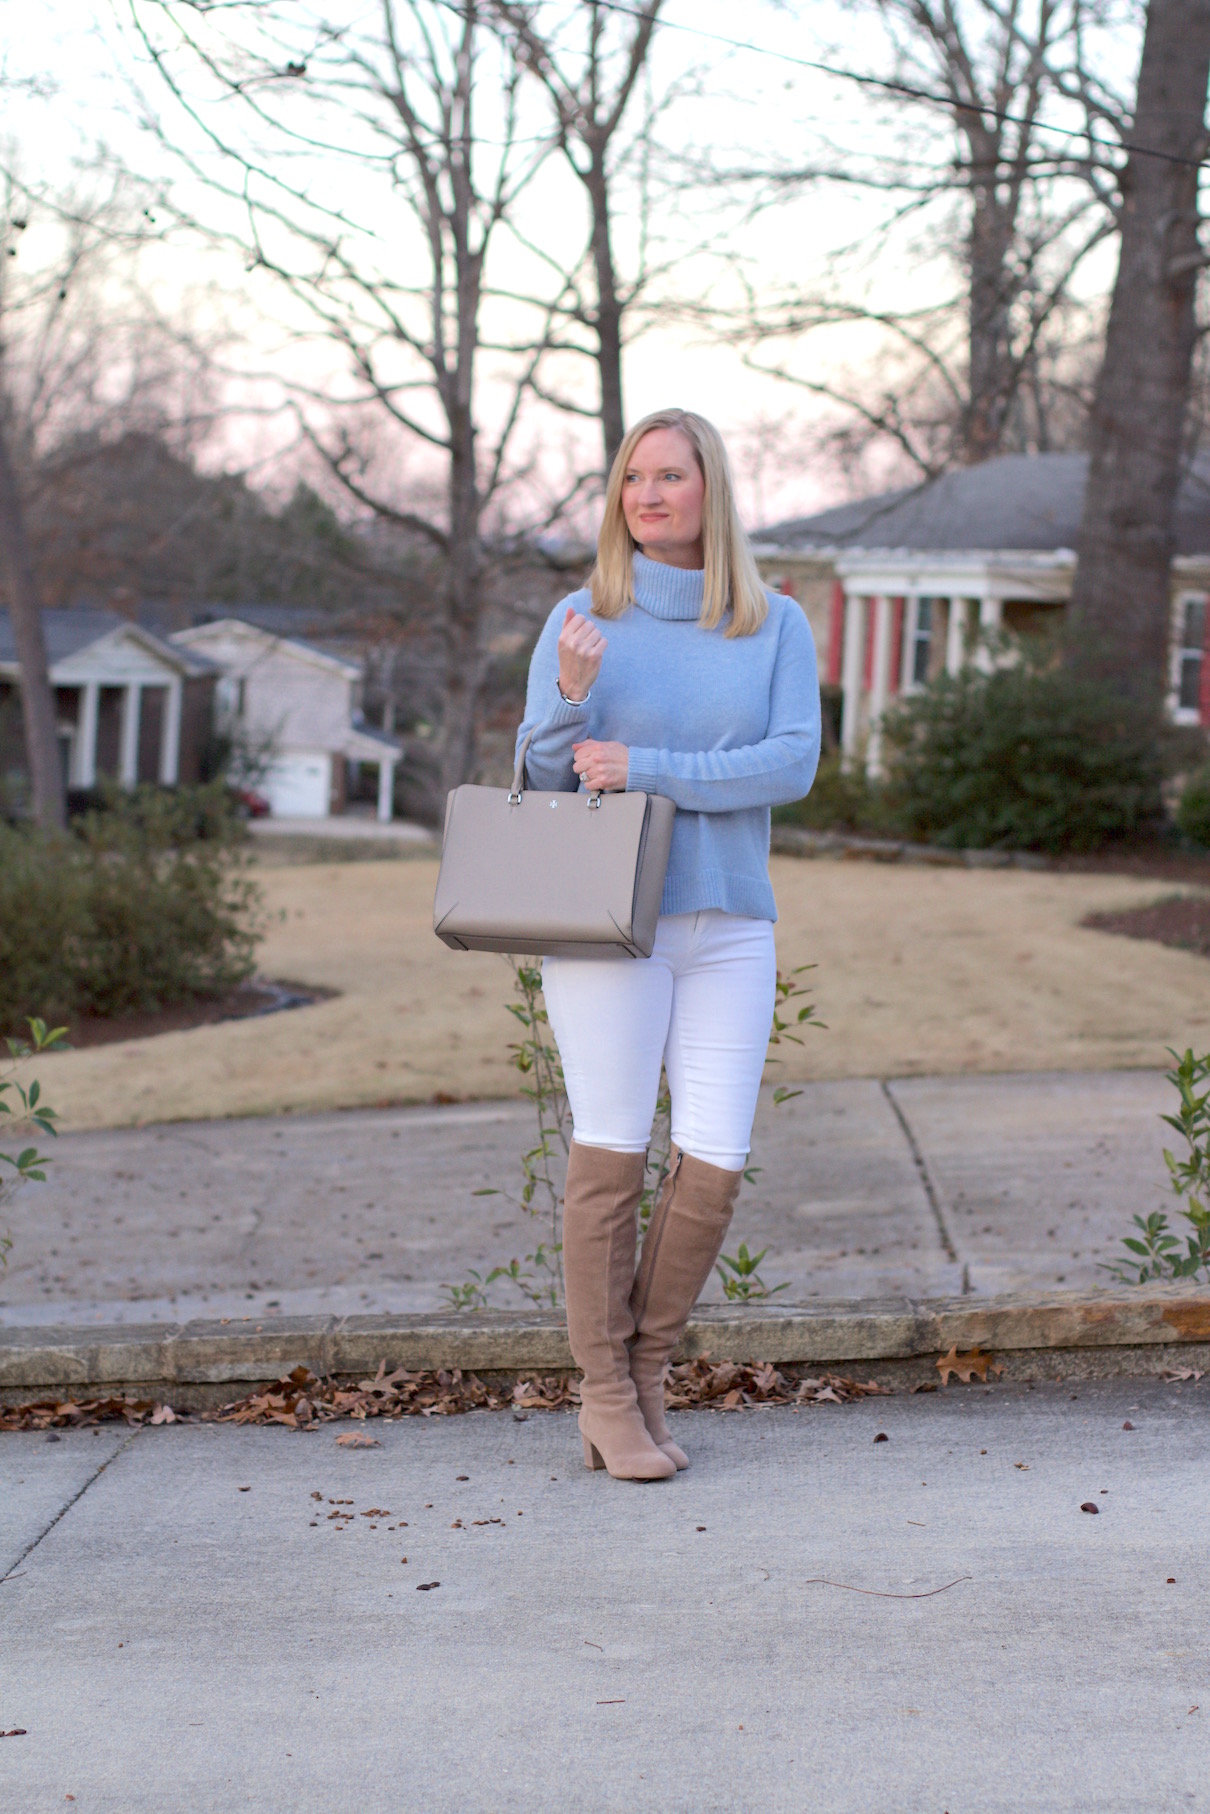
(1022, 758)
(840, 800)
(1193, 812)
(142, 905)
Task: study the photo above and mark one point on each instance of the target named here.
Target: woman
(674, 672)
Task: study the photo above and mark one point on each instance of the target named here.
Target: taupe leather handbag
(551, 873)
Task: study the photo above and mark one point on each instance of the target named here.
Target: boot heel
(592, 1455)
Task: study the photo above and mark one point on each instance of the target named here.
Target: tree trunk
(464, 577)
(609, 309)
(989, 330)
(1119, 615)
(37, 700)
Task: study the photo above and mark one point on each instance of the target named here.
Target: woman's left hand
(602, 767)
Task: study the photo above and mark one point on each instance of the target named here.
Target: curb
(1136, 1330)
(796, 841)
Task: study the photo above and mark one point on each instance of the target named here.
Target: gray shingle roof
(68, 629)
(1018, 501)
(64, 631)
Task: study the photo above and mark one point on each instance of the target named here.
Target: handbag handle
(514, 793)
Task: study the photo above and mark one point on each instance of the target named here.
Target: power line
(935, 98)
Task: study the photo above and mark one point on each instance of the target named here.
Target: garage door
(298, 786)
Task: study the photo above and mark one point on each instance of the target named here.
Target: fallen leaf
(1128, 1425)
(975, 1365)
(351, 1440)
(1172, 1374)
(882, 1437)
(15, 1732)
(424, 1587)
(1022, 1465)
(1090, 1505)
(161, 1414)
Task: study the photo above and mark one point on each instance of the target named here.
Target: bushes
(142, 905)
(1193, 812)
(1022, 758)
(840, 800)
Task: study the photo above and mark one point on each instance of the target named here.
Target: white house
(898, 587)
(303, 705)
(129, 705)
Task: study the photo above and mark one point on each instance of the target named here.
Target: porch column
(991, 615)
(880, 680)
(851, 672)
(84, 763)
(170, 737)
(128, 757)
(836, 621)
(386, 790)
(955, 637)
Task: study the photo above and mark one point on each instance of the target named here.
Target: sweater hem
(748, 897)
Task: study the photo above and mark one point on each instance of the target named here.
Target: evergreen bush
(140, 906)
(1193, 811)
(1022, 757)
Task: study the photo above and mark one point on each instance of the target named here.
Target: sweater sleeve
(555, 724)
(779, 768)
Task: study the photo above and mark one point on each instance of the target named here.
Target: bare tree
(1015, 208)
(25, 611)
(1119, 605)
(34, 293)
(417, 107)
(83, 356)
(591, 88)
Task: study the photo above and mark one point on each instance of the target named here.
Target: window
(229, 698)
(923, 626)
(1191, 652)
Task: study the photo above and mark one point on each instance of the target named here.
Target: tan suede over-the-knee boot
(599, 1205)
(683, 1240)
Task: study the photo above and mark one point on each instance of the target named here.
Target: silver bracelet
(566, 700)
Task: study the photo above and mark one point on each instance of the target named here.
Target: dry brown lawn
(919, 970)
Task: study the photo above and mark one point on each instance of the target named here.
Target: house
(899, 588)
(300, 704)
(130, 705)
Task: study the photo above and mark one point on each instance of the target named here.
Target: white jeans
(702, 1003)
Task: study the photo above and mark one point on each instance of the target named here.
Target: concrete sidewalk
(924, 1188)
(205, 1618)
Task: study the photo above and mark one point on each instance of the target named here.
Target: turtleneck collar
(669, 592)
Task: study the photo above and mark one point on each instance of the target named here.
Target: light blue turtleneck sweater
(723, 728)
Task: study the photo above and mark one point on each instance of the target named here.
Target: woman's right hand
(581, 651)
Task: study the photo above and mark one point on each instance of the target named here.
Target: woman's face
(662, 496)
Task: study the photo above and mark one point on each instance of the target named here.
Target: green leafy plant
(536, 1057)
(1155, 1252)
(26, 1112)
(741, 1281)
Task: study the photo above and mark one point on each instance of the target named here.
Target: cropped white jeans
(702, 1003)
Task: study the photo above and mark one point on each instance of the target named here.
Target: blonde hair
(732, 582)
